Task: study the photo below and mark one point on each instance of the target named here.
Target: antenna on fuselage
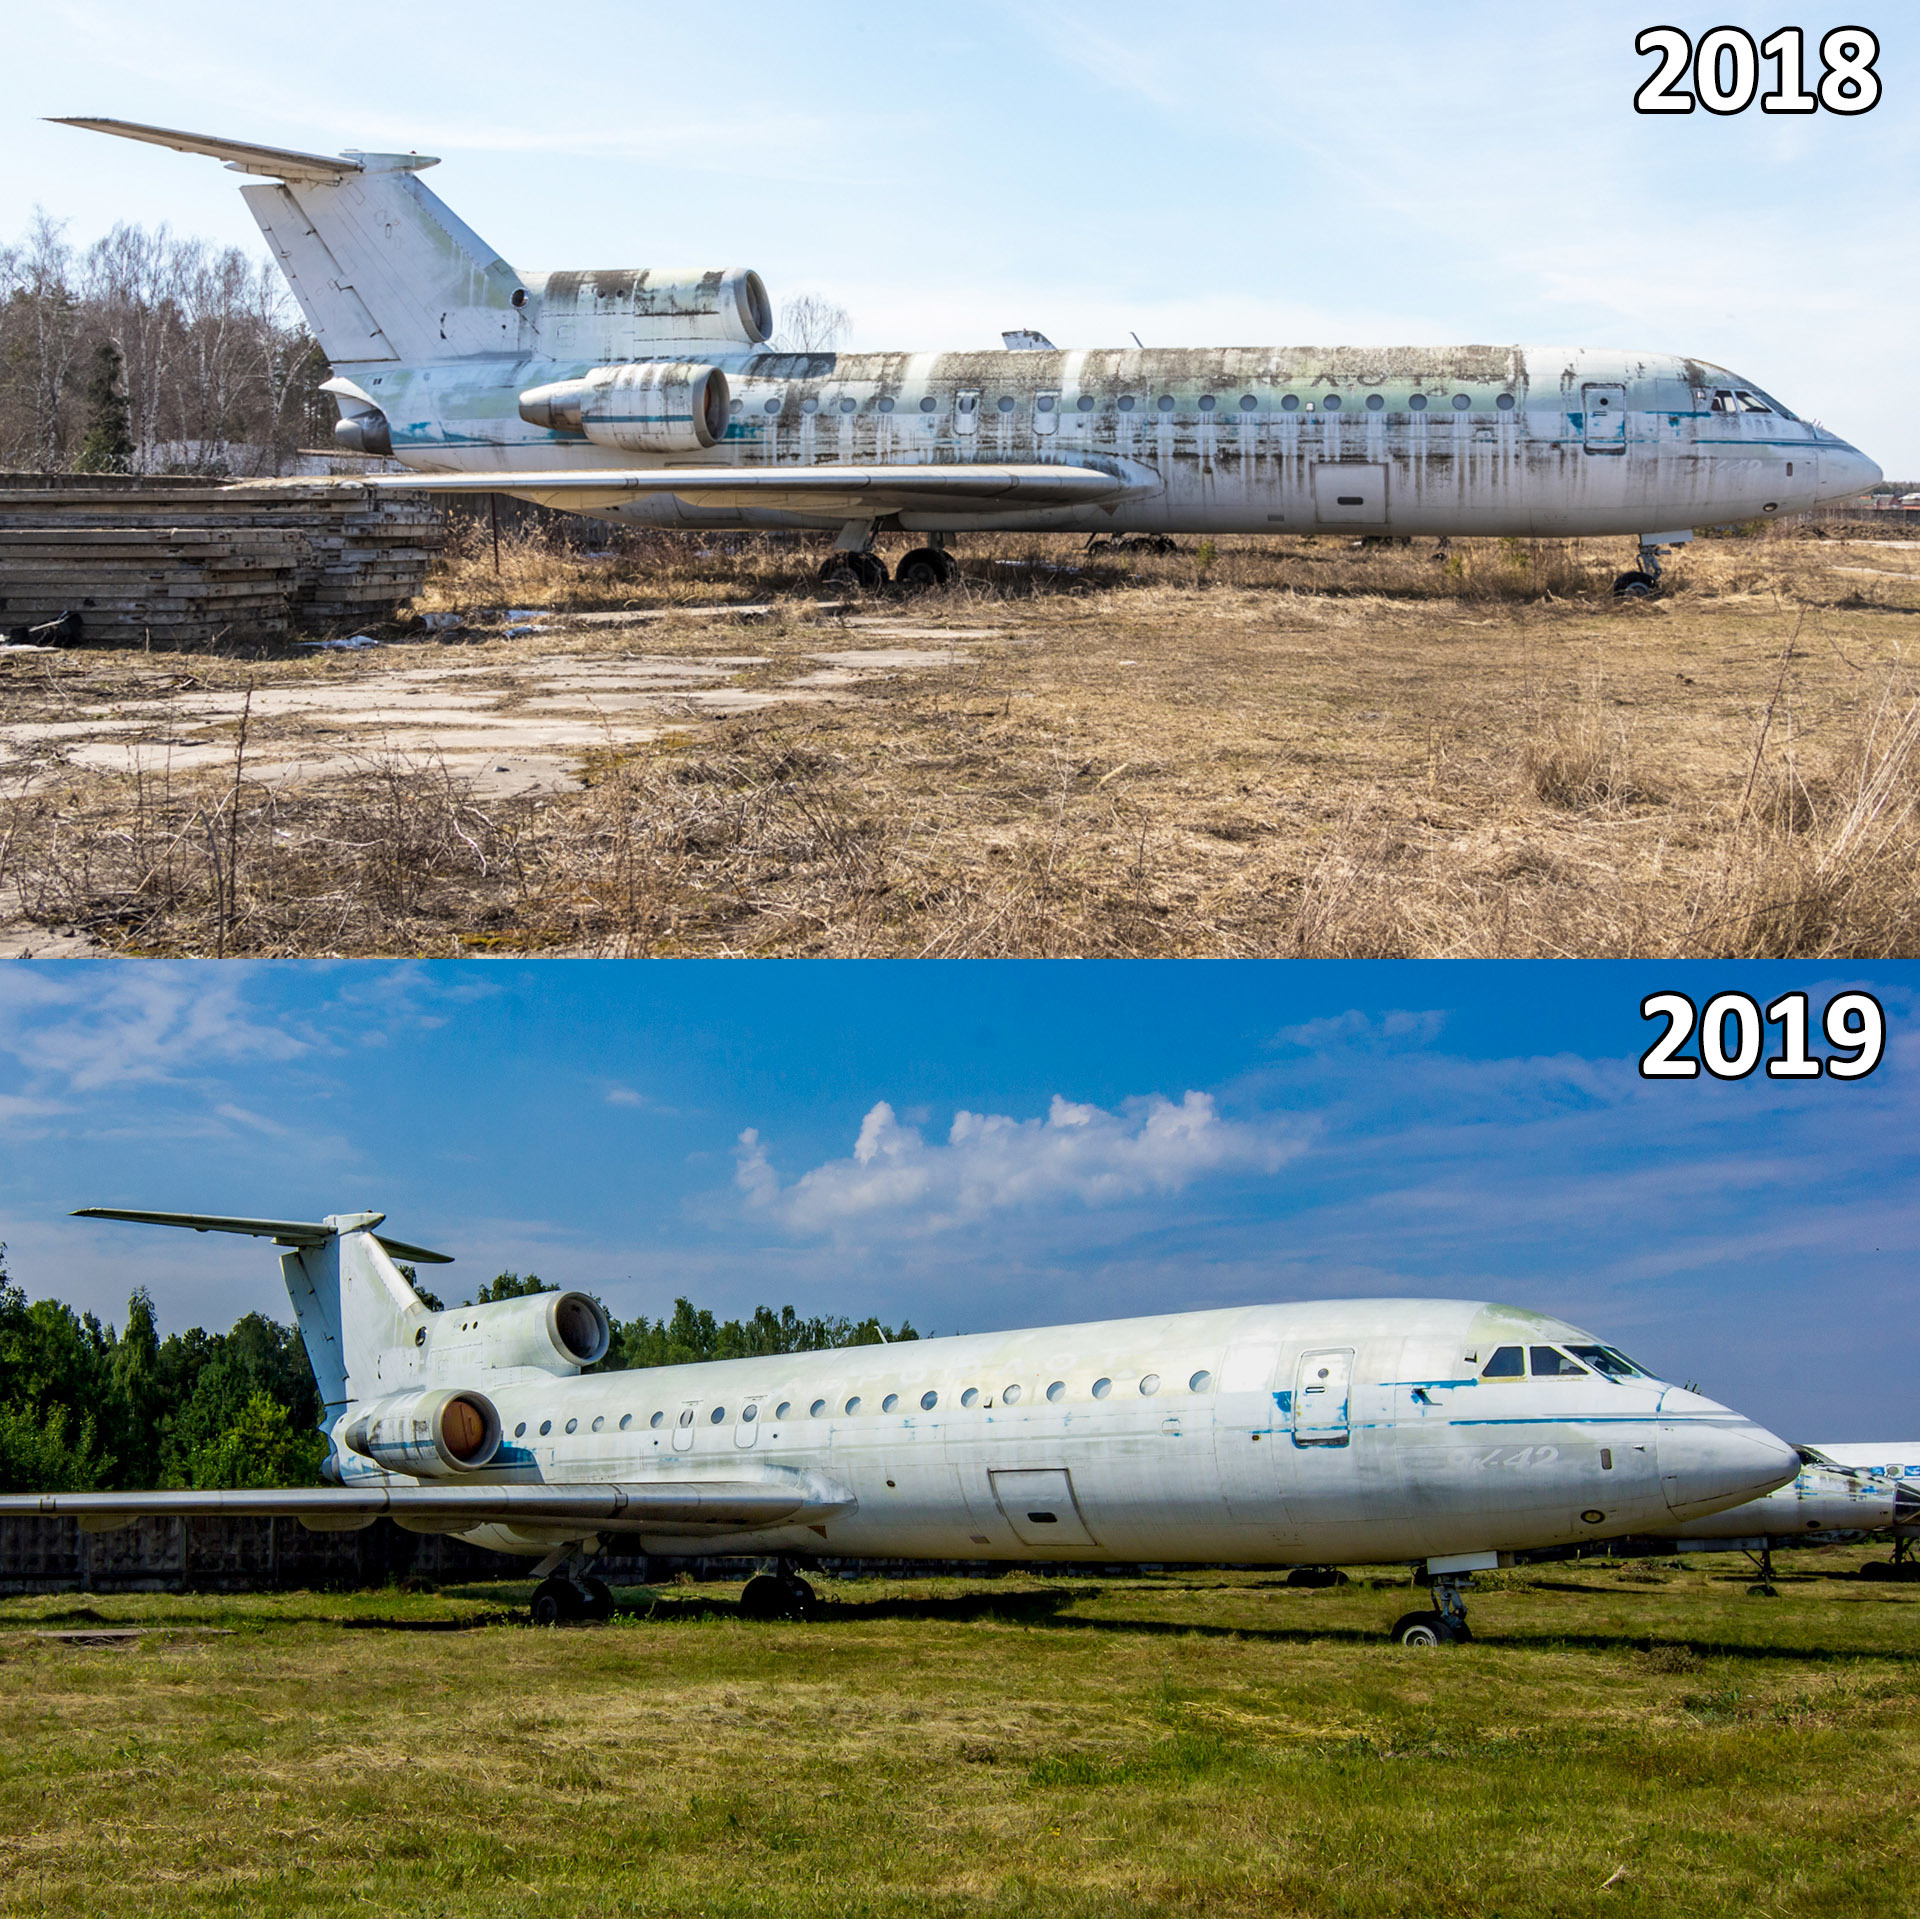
(1137, 341)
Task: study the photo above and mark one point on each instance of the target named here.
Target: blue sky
(1227, 174)
(980, 1145)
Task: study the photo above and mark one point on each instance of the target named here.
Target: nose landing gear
(1445, 1626)
(1644, 580)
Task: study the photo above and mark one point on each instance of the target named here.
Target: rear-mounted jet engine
(673, 406)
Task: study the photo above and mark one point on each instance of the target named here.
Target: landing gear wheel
(1422, 1630)
(598, 1599)
(1316, 1577)
(1635, 586)
(863, 572)
(768, 1597)
(555, 1600)
(924, 569)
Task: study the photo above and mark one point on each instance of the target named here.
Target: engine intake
(430, 1434)
(652, 406)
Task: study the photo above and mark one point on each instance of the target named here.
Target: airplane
(1457, 1433)
(1828, 1503)
(645, 396)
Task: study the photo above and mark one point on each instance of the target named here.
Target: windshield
(1610, 1361)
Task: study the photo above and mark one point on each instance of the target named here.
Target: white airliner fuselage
(653, 396)
(1313, 1433)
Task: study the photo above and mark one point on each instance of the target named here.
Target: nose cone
(1845, 471)
(1710, 1458)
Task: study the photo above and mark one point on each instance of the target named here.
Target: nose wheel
(1643, 582)
(1444, 1625)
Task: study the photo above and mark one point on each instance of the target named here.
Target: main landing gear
(779, 1595)
(853, 566)
(562, 1597)
(1445, 1626)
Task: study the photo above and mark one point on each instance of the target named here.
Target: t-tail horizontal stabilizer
(285, 1233)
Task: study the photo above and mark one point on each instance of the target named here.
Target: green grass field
(1622, 1740)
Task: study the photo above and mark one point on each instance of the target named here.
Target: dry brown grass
(1286, 747)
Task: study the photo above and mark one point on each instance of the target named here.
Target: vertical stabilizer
(382, 268)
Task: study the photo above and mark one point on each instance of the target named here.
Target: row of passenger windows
(1549, 1363)
(1148, 1383)
(1127, 403)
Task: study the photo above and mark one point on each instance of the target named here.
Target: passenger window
(1125, 403)
(749, 1412)
(1375, 401)
(886, 403)
(853, 1404)
(686, 1418)
(1290, 403)
(1058, 1391)
(1006, 403)
(717, 1415)
(1045, 403)
(1165, 403)
(1331, 404)
(1149, 1383)
(818, 1408)
(889, 1403)
(1550, 1363)
(783, 1409)
(573, 1426)
(1417, 403)
(1086, 403)
(657, 1418)
(599, 1421)
(1508, 1363)
(809, 405)
(1462, 401)
(1010, 1396)
(928, 403)
(520, 1429)
(968, 402)
(849, 405)
(1248, 404)
(1505, 403)
(1208, 403)
(971, 1398)
(1101, 1388)
(1200, 1382)
(929, 1401)
(546, 1427)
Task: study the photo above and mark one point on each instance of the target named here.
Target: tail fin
(382, 268)
(351, 1301)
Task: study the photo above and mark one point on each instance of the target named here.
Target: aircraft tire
(599, 1599)
(870, 570)
(1422, 1630)
(555, 1601)
(924, 569)
(1635, 586)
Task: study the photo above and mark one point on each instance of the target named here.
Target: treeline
(85, 1406)
(149, 353)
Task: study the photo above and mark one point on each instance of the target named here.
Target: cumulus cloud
(992, 1163)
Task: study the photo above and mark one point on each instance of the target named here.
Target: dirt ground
(1275, 747)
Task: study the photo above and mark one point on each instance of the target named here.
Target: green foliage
(261, 1448)
(692, 1333)
(108, 446)
(38, 1456)
(509, 1286)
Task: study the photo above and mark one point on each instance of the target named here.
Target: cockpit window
(1508, 1363)
(1616, 1366)
(1550, 1362)
(1747, 400)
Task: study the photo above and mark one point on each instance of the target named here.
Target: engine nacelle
(613, 312)
(431, 1434)
(558, 1333)
(366, 432)
(654, 406)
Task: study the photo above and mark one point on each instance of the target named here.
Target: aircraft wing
(659, 1506)
(854, 492)
(286, 1233)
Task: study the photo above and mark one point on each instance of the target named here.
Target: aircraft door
(1040, 1507)
(1322, 1382)
(1046, 414)
(1606, 418)
(966, 415)
(683, 1427)
(747, 1428)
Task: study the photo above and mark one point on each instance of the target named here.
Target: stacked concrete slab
(174, 562)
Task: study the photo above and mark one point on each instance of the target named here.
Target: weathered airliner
(1454, 1433)
(651, 396)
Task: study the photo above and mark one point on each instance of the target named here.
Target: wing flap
(667, 1506)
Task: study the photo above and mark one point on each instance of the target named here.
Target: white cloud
(991, 1163)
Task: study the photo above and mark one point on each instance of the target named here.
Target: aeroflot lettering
(1518, 1457)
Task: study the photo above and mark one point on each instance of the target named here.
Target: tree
(811, 323)
(260, 1447)
(692, 1334)
(108, 446)
(510, 1286)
